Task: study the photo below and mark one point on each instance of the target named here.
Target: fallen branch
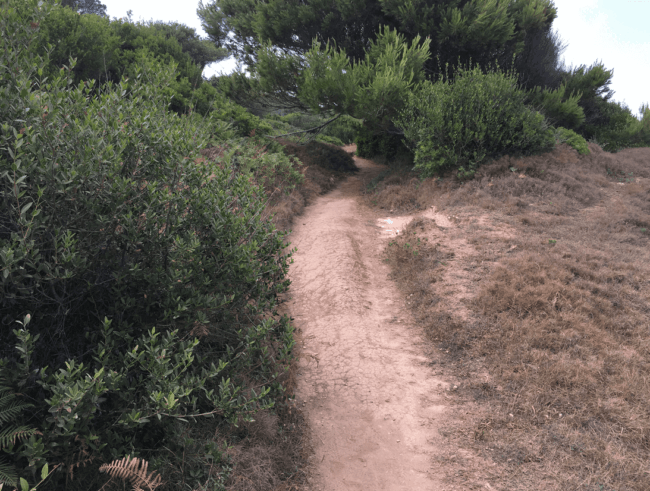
(310, 130)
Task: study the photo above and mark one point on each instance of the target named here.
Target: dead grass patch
(559, 316)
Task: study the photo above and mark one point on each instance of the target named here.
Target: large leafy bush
(458, 125)
(138, 286)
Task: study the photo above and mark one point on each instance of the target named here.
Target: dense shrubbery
(459, 125)
(139, 286)
(582, 103)
(372, 144)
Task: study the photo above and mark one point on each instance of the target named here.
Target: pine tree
(86, 6)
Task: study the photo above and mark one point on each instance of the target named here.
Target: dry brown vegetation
(537, 291)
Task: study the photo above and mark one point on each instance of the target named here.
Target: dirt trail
(365, 384)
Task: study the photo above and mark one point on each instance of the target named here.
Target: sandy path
(370, 397)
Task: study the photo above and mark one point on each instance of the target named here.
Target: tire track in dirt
(372, 402)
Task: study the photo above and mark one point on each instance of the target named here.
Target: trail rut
(364, 382)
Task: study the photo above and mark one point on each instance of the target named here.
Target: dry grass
(540, 293)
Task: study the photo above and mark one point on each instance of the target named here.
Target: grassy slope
(539, 298)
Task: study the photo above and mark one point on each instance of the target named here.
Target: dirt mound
(560, 181)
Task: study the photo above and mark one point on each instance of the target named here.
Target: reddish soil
(365, 383)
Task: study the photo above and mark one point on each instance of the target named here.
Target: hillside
(531, 281)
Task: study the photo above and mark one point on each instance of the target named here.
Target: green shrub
(107, 50)
(343, 129)
(623, 130)
(571, 138)
(558, 107)
(332, 140)
(244, 123)
(378, 143)
(267, 165)
(150, 280)
(461, 124)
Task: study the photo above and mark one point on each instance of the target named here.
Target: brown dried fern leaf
(133, 470)
(79, 459)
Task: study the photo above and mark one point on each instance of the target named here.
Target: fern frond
(8, 436)
(133, 470)
(9, 408)
(8, 474)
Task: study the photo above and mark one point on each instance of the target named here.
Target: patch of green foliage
(459, 125)
(376, 143)
(340, 132)
(327, 81)
(149, 279)
(479, 30)
(623, 130)
(572, 139)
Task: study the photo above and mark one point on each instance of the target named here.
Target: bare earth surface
(372, 401)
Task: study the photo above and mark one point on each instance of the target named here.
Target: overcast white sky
(614, 31)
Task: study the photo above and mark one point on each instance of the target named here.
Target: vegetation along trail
(364, 380)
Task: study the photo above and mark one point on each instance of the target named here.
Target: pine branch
(310, 130)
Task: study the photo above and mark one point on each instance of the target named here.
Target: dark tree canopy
(513, 34)
(484, 31)
(202, 51)
(86, 6)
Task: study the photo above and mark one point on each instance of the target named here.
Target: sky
(615, 32)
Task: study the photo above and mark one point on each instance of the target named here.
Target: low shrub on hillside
(461, 124)
(624, 129)
(138, 287)
(572, 139)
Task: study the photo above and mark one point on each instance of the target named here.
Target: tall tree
(86, 6)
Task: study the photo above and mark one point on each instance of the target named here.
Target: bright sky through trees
(612, 31)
